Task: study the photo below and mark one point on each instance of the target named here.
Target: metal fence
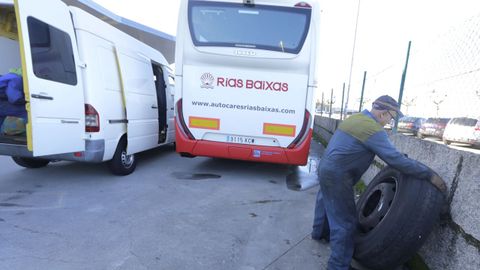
(443, 75)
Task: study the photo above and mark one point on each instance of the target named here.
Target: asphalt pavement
(171, 213)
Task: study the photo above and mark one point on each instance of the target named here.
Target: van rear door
(52, 85)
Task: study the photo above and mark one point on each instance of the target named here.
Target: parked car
(433, 127)
(463, 130)
(409, 124)
(390, 125)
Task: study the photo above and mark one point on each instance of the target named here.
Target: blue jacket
(11, 88)
(354, 145)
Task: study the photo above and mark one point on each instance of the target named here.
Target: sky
(383, 31)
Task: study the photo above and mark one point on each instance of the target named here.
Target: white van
(93, 93)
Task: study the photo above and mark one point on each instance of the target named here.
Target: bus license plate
(240, 139)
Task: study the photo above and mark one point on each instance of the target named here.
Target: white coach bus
(245, 79)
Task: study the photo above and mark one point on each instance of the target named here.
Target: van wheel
(447, 142)
(121, 163)
(31, 163)
(396, 213)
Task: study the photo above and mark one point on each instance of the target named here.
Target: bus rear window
(274, 28)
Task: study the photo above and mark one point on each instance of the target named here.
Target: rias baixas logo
(207, 80)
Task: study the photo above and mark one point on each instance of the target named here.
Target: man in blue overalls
(349, 153)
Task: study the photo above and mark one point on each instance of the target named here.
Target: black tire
(121, 163)
(447, 142)
(396, 213)
(31, 163)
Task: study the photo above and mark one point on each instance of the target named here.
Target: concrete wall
(455, 242)
(12, 58)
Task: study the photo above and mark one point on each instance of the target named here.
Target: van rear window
(274, 28)
(52, 53)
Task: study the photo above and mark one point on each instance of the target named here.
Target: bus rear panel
(244, 83)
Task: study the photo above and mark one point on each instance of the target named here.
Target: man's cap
(387, 103)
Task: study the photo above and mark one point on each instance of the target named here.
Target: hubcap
(127, 160)
(377, 204)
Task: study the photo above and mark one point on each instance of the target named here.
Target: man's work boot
(320, 236)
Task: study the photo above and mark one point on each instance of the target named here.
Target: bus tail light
(92, 119)
(303, 132)
(181, 120)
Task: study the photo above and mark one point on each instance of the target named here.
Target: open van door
(52, 81)
(140, 99)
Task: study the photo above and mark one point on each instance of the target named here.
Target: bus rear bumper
(295, 156)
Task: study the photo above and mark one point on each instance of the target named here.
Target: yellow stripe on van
(278, 129)
(205, 123)
(26, 89)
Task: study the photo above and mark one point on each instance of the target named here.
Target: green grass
(320, 139)
(360, 187)
(417, 263)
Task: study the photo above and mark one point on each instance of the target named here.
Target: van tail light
(92, 119)
(181, 120)
(477, 128)
(303, 133)
(303, 5)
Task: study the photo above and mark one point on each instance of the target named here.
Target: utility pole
(323, 104)
(341, 106)
(353, 56)
(331, 103)
(363, 89)
(402, 84)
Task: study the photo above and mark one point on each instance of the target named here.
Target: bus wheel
(31, 163)
(121, 163)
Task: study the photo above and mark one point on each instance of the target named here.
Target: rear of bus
(245, 79)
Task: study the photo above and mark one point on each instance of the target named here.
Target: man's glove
(438, 182)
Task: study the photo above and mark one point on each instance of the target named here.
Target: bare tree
(437, 99)
(365, 101)
(408, 102)
(330, 103)
(318, 105)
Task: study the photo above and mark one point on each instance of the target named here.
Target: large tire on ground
(31, 163)
(121, 163)
(396, 213)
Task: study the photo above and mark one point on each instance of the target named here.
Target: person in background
(348, 155)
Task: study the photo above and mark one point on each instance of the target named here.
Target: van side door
(51, 75)
(140, 99)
